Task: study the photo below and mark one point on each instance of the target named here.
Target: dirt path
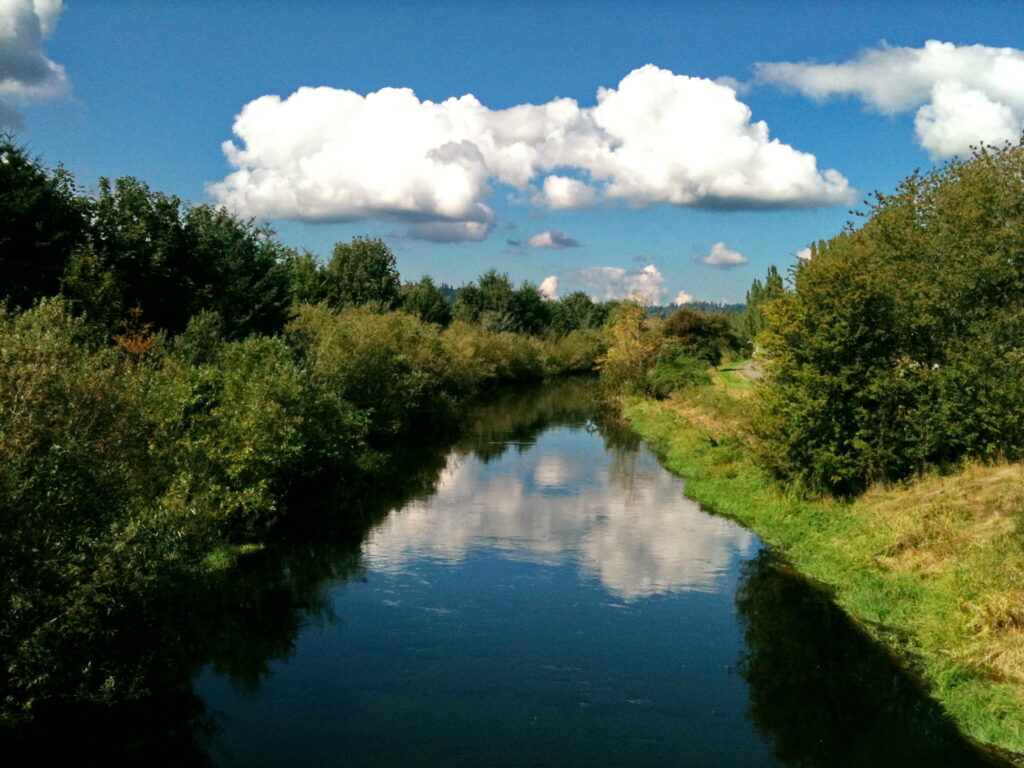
(751, 369)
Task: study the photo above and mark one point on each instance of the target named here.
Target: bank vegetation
(881, 451)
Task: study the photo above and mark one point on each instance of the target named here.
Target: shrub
(676, 369)
(900, 345)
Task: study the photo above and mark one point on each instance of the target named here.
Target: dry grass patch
(964, 532)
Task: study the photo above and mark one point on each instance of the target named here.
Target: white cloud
(804, 254)
(720, 256)
(326, 154)
(563, 193)
(25, 72)
(552, 239)
(964, 95)
(549, 287)
(604, 283)
(683, 298)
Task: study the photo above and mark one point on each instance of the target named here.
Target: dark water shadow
(824, 693)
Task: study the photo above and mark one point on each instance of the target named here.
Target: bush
(676, 369)
(633, 349)
(900, 345)
(707, 336)
(577, 352)
(391, 367)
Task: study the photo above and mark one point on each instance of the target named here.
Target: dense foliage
(650, 357)
(751, 321)
(173, 380)
(900, 343)
(41, 222)
(494, 303)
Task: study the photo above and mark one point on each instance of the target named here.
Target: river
(553, 598)
(536, 592)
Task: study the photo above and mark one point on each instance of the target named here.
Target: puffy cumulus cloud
(683, 298)
(964, 95)
(549, 287)
(645, 285)
(552, 239)
(25, 72)
(720, 256)
(804, 254)
(563, 193)
(689, 141)
(326, 154)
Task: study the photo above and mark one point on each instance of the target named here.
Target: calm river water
(548, 596)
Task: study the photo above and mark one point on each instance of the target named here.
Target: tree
(632, 351)
(146, 251)
(42, 220)
(135, 258)
(753, 321)
(900, 344)
(499, 307)
(707, 336)
(362, 272)
(426, 301)
(306, 278)
(239, 271)
(576, 312)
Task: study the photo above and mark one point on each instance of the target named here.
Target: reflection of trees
(512, 418)
(240, 619)
(825, 694)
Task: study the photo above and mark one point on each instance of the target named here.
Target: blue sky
(152, 90)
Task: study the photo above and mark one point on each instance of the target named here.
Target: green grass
(934, 570)
(730, 376)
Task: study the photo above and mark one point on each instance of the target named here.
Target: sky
(671, 149)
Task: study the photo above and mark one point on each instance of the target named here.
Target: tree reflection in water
(824, 693)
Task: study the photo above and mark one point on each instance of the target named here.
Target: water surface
(549, 596)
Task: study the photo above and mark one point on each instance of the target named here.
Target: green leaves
(901, 343)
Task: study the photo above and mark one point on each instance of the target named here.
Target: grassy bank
(933, 569)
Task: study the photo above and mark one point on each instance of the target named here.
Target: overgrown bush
(900, 345)
(676, 368)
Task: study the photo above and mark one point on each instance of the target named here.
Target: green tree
(707, 336)
(136, 257)
(306, 278)
(900, 345)
(42, 220)
(494, 303)
(147, 251)
(426, 301)
(362, 272)
(752, 319)
(576, 312)
(239, 271)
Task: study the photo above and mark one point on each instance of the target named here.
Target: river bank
(933, 570)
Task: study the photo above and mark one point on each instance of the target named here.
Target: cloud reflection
(617, 513)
